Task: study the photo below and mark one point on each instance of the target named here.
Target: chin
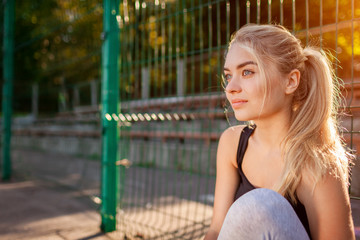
(242, 117)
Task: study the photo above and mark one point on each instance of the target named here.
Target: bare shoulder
(327, 206)
(329, 184)
(232, 133)
(227, 177)
(228, 144)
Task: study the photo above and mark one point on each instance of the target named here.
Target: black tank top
(245, 186)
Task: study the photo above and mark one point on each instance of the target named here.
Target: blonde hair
(313, 142)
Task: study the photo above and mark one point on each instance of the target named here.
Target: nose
(233, 87)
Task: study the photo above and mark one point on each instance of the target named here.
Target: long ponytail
(313, 141)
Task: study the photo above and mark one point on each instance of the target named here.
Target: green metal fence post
(110, 108)
(8, 74)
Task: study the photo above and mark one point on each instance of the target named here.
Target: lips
(238, 103)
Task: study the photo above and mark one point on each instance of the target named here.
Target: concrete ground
(35, 208)
(38, 210)
(32, 209)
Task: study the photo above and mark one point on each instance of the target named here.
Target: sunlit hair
(313, 142)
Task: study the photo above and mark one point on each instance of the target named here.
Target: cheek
(276, 99)
(257, 88)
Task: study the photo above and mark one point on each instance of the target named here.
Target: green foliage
(57, 43)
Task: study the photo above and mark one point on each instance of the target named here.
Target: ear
(292, 81)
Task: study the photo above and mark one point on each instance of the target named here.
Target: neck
(270, 133)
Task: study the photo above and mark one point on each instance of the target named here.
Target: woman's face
(245, 87)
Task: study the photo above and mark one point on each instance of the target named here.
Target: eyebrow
(242, 65)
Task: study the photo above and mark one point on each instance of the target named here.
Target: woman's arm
(227, 179)
(327, 207)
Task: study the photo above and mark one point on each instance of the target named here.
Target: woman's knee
(259, 202)
(262, 214)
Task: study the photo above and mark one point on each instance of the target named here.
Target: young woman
(284, 176)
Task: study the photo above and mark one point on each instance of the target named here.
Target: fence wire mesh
(172, 101)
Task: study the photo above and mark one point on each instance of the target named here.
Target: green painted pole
(110, 108)
(8, 75)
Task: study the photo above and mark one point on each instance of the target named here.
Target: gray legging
(262, 214)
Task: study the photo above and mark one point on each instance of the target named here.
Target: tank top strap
(243, 143)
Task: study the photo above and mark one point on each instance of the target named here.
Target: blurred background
(172, 108)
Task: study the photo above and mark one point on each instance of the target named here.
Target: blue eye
(247, 72)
